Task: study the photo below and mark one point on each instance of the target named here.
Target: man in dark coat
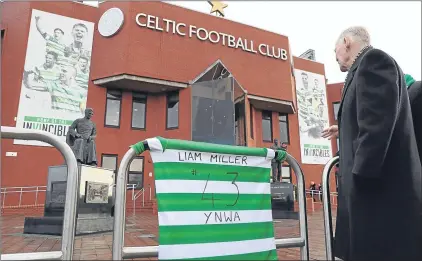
(415, 97)
(379, 202)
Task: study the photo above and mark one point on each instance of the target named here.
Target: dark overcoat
(379, 203)
(415, 97)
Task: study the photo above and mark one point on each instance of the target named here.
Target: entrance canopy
(270, 104)
(138, 83)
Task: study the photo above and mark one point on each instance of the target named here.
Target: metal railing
(137, 194)
(326, 203)
(142, 193)
(22, 190)
(119, 251)
(69, 221)
(316, 197)
(42, 189)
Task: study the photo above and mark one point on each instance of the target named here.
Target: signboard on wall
(55, 78)
(313, 117)
(165, 25)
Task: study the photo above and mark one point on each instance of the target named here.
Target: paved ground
(142, 230)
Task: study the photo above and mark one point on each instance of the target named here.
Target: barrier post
(120, 205)
(4, 197)
(69, 220)
(36, 196)
(120, 252)
(303, 219)
(326, 200)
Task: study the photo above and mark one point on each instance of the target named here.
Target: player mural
(313, 117)
(56, 74)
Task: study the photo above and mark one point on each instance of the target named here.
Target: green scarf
(409, 80)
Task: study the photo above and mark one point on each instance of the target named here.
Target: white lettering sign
(169, 26)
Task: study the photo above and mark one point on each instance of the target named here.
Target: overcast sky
(395, 27)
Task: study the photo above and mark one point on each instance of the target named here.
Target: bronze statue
(275, 165)
(81, 138)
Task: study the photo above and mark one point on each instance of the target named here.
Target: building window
(283, 124)
(239, 124)
(113, 107)
(336, 106)
(267, 132)
(286, 174)
(136, 173)
(172, 110)
(109, 161)
(139, 104)
(1, 43)
(251, 120)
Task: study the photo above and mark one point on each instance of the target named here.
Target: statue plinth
(282, 201)
(94, 207)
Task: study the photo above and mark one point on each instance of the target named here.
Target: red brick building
(147, 74)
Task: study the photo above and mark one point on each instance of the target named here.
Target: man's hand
(28, 72)
(26, 75)
(330, 132)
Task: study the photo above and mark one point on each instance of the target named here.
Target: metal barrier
(69, 221)
(120, 252)
(21, 191)
(312, 195)
(136, 195)
(37, 190)
(326, 203)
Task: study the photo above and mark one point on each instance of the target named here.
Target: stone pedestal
(282, 201)
(95, 202)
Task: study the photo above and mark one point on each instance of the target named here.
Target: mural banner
(214, 201)
(56, 73)
(313, 117)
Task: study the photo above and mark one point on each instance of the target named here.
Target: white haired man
(379, 206)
